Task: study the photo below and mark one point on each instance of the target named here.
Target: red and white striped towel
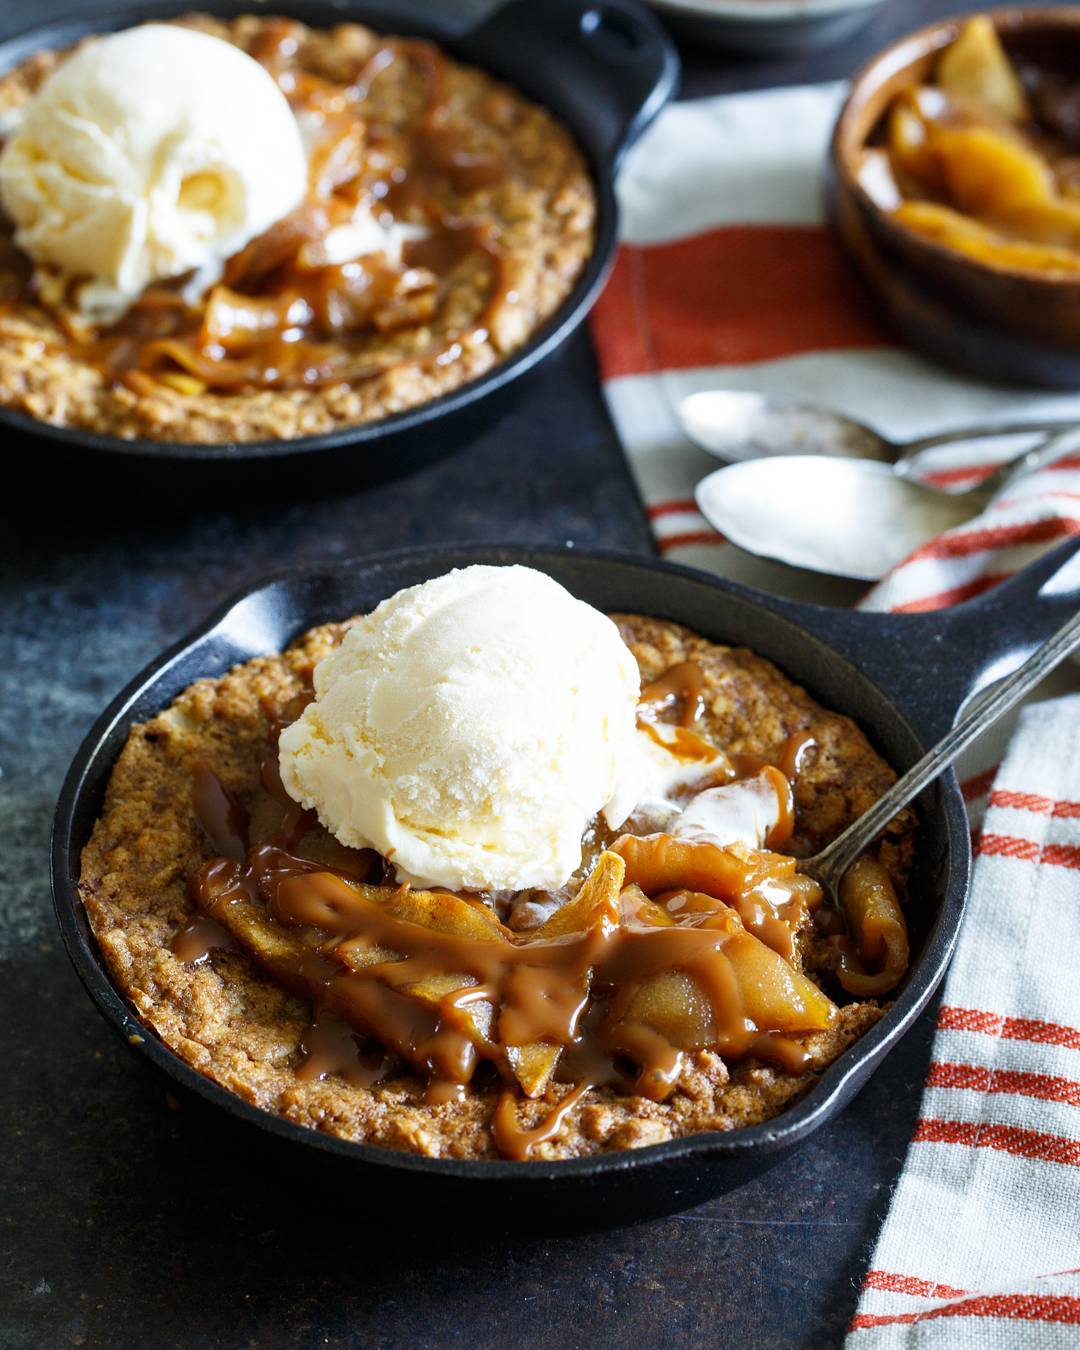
(981, 1246)
(728, 277)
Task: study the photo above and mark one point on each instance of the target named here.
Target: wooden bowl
(1002, 324)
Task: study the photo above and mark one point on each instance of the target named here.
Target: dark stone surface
(127, 1223)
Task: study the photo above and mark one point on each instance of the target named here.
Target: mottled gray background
(125, 1223)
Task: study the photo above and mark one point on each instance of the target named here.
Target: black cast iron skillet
(903, 678)
(604, 67)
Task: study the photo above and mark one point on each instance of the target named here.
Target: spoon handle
(1026, 462)
(833, 861)
(986, 432)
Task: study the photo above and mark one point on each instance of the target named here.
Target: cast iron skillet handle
(608, 63)
(931, 664)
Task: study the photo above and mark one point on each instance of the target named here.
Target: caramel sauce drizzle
(445, 997)
(194, 942)
(794, 752)
(517, 1143)
(278, 323)
(682, 685)
(331, 1047)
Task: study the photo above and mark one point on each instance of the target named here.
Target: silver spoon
(846, 517)
(828, 867)
(735, 424)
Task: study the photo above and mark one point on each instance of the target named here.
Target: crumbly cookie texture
(543, 216)
(235, 1025)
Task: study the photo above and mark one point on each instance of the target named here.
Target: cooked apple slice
(714, 985)
(597, 902)
(878, 927)
(636, 907)
(275, 948)
(987, 171)
(954, 230)
(672, 1005)
(661, 862)
(438, 912)
(533, 1065)
(595, 907)
(976, 67)
(1053, 224)
(775, 996)
(911, 156)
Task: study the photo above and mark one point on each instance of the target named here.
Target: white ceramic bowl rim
(762, 11)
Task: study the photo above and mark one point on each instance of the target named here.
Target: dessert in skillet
(985, 159)
(254, 230)
(485, 873)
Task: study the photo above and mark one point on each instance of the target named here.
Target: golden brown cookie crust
(235, 1025)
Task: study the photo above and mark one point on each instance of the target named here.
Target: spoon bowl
(736, 424)
(845, 517)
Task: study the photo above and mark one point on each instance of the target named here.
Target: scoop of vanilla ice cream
(658, 772)
(468, 728)
(147, 154)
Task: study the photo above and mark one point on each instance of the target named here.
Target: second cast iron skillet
(604, 67)
(903, 678)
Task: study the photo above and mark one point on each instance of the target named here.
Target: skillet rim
(551, 336)
(826, 1098)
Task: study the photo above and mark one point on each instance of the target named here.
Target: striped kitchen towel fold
(981, 1246)
(728, 277)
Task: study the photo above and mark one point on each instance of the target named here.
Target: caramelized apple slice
(475, 1018)
(635, 907)
(987, 171)
(911, 155)
(276, 949)
(596, 903)
(774, 911)
(775, 996)
(672, 1005)
(594, 908)
(692, 994)
(1054, 224)
(878, 928)
(956, 231)
(975, 67)
(442, 913)
(533, 1065)
(660, 862)
(766, 990)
